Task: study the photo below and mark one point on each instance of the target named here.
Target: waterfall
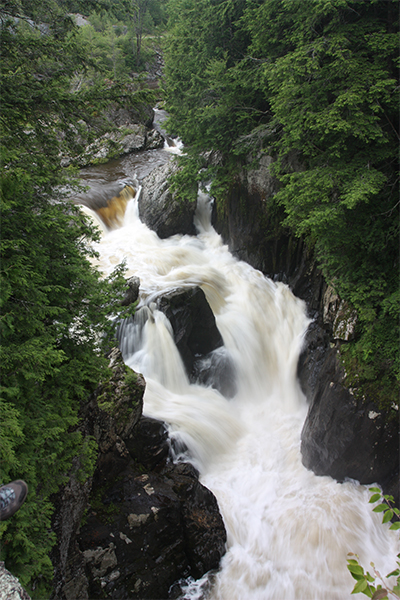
(289, 531)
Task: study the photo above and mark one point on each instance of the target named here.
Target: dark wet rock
(146, 530)
(251, 232)
(150, 443)
(345, 436)
(111, 415)
(204, 530)
(132, 293)
(70, 581)
(193, 322)
(140, 523)
(160, 209)
(216, 370)
(198, 338)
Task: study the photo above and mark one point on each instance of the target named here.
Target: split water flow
(289, 531)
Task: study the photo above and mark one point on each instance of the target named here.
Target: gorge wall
(344, 435)
(142, 523)
(136, 491)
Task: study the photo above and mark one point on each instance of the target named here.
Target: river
(289, 531)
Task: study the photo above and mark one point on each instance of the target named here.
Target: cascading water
(289, 531)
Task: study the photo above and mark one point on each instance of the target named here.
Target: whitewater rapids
(289, 531)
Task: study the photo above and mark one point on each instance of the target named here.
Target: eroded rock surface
(141, 523)
(147, 529)
(160, 209)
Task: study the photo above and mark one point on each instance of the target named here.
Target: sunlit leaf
(356, 569)
(393, 573)
(380, 508)
(360, 586)
(375, 498)
(387, 516)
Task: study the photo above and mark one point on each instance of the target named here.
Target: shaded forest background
(310, 82)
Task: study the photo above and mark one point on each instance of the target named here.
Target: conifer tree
(56, 310)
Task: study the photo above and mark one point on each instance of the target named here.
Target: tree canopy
(315, 80)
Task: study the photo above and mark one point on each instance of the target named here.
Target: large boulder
(198, 338)
(160, 209)
(146, 529)
(121, 116)
(132, 293)
(346, 436)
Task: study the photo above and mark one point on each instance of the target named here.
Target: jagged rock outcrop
(160, 209)
(128, 129)
(347, 436)
(141, 522)
(125, 139)
(148, 528)
(132, 293)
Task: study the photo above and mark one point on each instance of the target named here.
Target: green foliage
(314, 83)
(106, 513)
(367, 583)
(111, 40)
(205, 88)
(184, 182)
(56, 311)
(386, 507)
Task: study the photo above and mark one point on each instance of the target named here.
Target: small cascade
(113, 213)
(106, 206)
(94, 217)
(171, 144)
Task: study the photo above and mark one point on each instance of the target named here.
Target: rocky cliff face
(342, 436)
(141, 523)
(128, 129)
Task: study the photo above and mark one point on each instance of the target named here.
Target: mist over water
(289, 531)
